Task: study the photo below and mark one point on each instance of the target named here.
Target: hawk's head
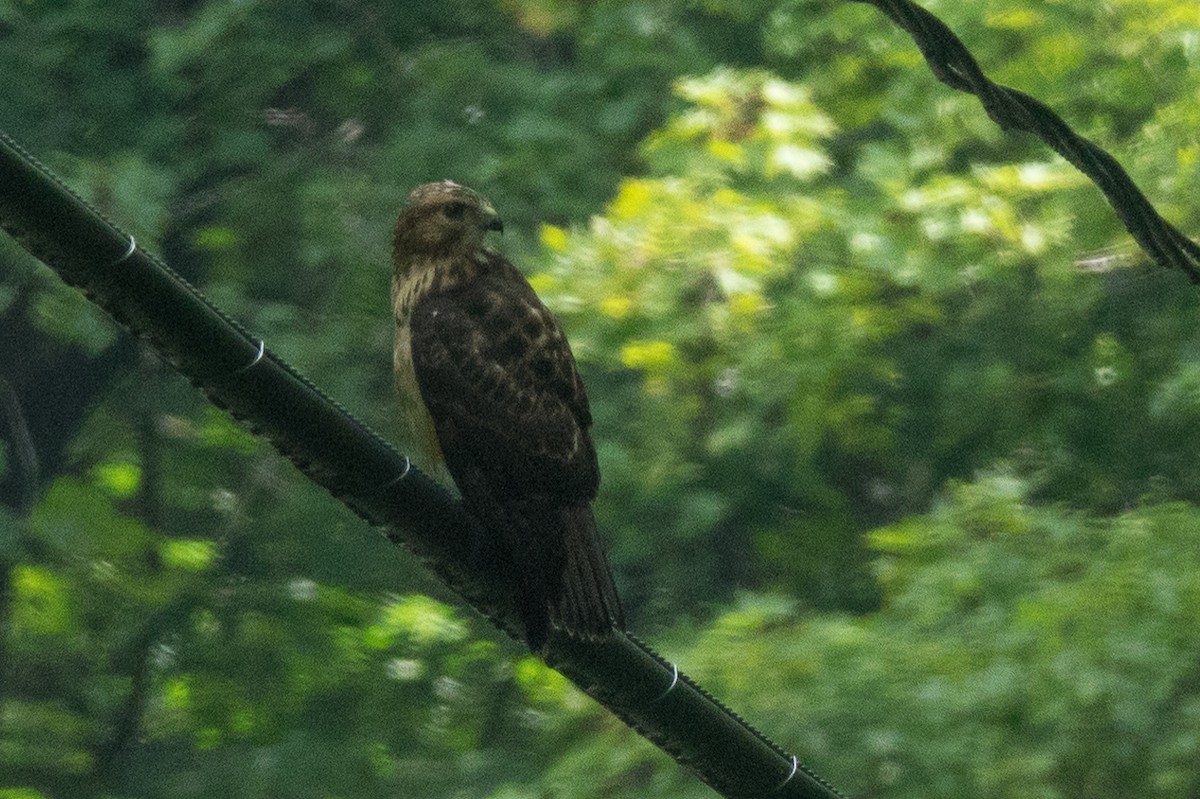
(443, 219)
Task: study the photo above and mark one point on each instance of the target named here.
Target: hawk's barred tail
(588, 606)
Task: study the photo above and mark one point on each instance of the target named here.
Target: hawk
(495, 404)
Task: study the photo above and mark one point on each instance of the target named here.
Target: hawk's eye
(454, 210)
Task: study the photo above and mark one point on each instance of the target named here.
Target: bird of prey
(490, 391)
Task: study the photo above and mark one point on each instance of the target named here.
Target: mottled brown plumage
(494, 401)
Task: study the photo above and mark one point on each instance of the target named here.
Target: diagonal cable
(238, 373)
(1011, 109)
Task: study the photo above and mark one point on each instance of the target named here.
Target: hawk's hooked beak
(492, 220)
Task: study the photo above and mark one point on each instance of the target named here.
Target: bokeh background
(900, 436)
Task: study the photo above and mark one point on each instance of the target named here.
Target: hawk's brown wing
(498, 378)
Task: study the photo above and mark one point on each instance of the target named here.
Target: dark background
(898, 430)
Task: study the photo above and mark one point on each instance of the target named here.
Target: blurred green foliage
(898, 433)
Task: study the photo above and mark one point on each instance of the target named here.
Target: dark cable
(1011, 109)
